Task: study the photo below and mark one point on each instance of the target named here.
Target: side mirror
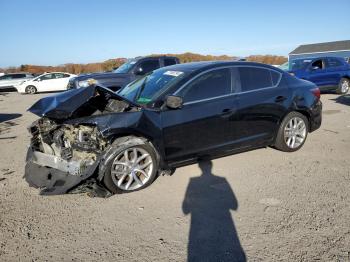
(174, 102)
(139, 71)
(38, 80)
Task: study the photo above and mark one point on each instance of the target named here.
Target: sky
(47, 32)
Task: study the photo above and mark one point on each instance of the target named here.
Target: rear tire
(133, 167)
(343, 86)
(292, 132)
(31, 90)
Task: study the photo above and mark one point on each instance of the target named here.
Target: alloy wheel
(31, 90)
(132, 168)
(344, 86)
(295, 132)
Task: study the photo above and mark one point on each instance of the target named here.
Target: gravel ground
(270, 205)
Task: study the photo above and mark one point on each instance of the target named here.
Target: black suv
(131, 70)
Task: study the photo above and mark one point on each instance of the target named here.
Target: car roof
(194, 66)
(21, 73)
(152, 56)
(56, 73)
(318, 57)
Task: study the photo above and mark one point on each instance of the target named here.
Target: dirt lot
(273, 205)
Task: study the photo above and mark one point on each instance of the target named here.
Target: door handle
(227, 113)
(280, 99)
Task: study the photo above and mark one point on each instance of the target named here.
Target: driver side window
(46, 77)
(318, 64)
(209, 85)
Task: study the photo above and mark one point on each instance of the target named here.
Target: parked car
(284, 66)
(166, 119)
(129, 71)
(10, 80)
(55, 81)
(328, 73)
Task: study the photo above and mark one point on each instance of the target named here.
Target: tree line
(111, 64)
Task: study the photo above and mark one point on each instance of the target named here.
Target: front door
(206, 122)
(318, 73)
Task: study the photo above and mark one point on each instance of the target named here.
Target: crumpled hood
(63, 105)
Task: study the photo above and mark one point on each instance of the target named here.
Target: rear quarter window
(333, 62)
(275, 76)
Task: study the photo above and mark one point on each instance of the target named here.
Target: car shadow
(8, 89)
(213, 236)
(7, 117)
(344, 99)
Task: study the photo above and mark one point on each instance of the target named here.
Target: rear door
(12, 80)
(6, 80)
(61, 81)
(206, 121)
(262, 102)
(334, 69)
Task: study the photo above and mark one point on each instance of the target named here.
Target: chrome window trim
(207, 99)
(236, 93)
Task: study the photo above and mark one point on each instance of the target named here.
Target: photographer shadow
(213, 236)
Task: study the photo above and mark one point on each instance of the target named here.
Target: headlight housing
(86, 83)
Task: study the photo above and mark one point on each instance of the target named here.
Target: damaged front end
(63, 154)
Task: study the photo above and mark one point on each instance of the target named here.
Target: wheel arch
(307, 115)
(36, 88)
(123, 137)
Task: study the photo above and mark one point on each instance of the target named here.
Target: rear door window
(149, 65)
(169, 61)
(18, 76)
(253, 78)
(209, 85)
(59, 75)
(333, 62)
(6, 77)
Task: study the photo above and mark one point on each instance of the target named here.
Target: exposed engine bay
(66, 145)
(71, 143)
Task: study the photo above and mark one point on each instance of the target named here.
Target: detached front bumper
(54, 175)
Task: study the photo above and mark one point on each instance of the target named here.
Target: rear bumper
(316, 116)
(54, 175)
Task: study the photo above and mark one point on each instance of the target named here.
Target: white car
(10, 80)
(54, 81)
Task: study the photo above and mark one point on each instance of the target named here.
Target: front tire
(133, 167)
(292, 132)
(343, 86)
(31, 90)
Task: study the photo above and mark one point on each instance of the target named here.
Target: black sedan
(166, 119)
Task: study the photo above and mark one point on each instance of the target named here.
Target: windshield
(151, 86)
(284, 66)
(298, 64)
(124, 68)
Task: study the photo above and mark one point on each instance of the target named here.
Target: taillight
(316, 91)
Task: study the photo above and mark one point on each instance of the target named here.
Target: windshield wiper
(137, 95)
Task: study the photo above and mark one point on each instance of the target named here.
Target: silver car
(10, 80)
